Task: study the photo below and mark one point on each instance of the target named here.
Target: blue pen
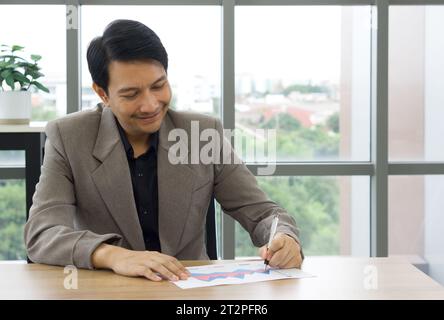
(272, 234)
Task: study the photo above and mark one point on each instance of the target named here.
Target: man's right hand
(149, 264)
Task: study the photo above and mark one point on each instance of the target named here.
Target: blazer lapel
(175, 185)
(113, 180)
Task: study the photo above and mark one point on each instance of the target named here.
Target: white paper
(236, 273)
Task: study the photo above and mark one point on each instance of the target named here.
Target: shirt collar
(154, 140)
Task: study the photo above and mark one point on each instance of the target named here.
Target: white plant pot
(15, 107)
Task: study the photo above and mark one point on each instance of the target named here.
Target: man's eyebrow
(123, 90)
(160, 79)
(126, 89)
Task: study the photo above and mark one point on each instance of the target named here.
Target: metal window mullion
(416, 2)
(379, 135)
(12, 172)
(416, 168)
(114, 2)
(152, 2)
(228, 225)
(73, 63)
(303, 2)
(31, 2)
(316, 169)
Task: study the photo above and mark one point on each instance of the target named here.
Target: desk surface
(336, 278)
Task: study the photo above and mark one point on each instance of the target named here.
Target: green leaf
(11, 66)
(6, 73)
(10, 81)
(17, 48)
(24, 64)
(40, 86)
(36, 57)
(34, 74)
(21, 78)
(29, 66)
(11, 57)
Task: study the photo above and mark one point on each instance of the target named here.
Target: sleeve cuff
(87, 244)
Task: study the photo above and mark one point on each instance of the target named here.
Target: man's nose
(149, 103)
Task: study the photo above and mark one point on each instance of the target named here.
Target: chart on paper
(236, 273)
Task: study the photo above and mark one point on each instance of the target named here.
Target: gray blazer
(84, 196)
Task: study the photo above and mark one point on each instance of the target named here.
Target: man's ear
(101, 93)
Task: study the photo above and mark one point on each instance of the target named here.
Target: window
(332, 213)
(12, 219)
(191, 36)
(305, 72)
(416, 95)
(416, 219)
(46, 37)
(12, 158)
(416, 98)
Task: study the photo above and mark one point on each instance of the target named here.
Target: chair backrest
(211, 231)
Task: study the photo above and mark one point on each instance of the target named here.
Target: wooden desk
(337, 278)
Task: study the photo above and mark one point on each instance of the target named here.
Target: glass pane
(332, 213)
(12, 219)
(12, 158)
(416, 222)
(194, 50)
(45, 37)
(305, 71)
(416, 95)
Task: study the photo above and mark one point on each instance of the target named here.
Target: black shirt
(144, 180)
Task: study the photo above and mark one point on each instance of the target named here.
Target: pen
(272, 233)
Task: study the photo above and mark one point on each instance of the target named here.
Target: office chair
(210, 230)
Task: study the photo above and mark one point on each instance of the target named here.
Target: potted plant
(17, 76)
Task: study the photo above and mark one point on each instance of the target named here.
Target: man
(109, 197)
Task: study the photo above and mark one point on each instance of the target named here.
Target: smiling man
(108, 196)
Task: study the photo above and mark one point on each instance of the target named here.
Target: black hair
(123, 40)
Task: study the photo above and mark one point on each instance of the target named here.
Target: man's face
(138, 94)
